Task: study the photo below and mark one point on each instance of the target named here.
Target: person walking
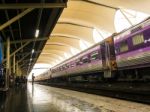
(33, 79)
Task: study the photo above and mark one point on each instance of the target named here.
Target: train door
(107, 57)
(107, 71)
(103, 55)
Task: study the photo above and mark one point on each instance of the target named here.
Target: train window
(138, 39)
(63, 67)
(59, 68)
(72, 65)
(123, 46)
(52, 71)
(67, 65)
(85, 59)
(94, 55)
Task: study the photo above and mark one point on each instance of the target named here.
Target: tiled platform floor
(39, 98)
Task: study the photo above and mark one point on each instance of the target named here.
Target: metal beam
(28, 40)
(7, 17)
(32, 5)
(24, 57)
(17, 50)
(29, 60)
(15, 18)
(26, 61)
(24, 53)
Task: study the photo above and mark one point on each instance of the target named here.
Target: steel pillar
(14, 64)
(10, 64)
(7, 64)
(17, 68)
(18, 71)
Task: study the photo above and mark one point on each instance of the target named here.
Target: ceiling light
(37, 33)
(32, 51)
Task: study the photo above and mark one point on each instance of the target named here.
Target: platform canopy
(86, 22)
(27, 24)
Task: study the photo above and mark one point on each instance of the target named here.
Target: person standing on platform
(33, 78)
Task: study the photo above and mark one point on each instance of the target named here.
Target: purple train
(123, 56)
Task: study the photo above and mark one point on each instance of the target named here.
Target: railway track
(137, 92)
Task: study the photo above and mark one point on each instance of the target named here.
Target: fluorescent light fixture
(32, 51)
(37, 33)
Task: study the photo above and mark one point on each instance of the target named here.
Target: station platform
(40, 98)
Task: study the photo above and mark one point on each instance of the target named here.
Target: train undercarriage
(129, 75)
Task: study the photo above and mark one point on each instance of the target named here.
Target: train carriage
(99, 59)
(133, 47)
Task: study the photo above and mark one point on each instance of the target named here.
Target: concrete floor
(39, 98)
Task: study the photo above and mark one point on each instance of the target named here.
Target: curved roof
(74, 28)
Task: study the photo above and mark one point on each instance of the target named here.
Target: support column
(10, 64)
(17, 68)
(7, 64)
(14, 64)
(14, 69)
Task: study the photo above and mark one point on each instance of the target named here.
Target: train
(123, 56)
